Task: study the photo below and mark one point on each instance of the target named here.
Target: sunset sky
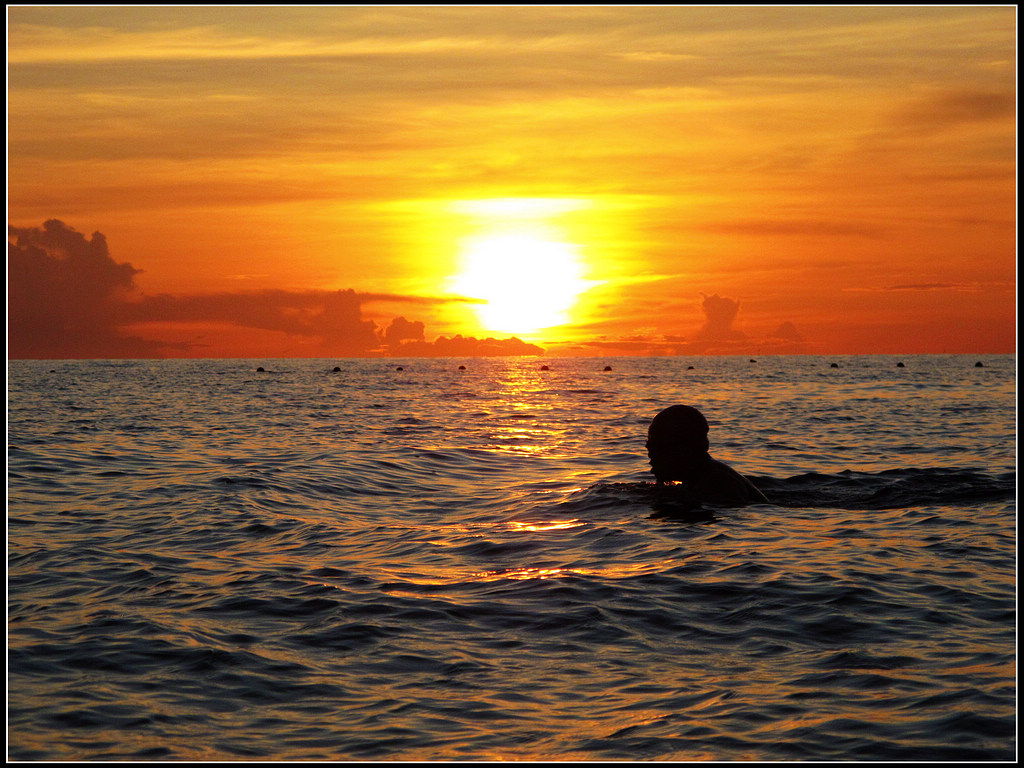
(593, 180)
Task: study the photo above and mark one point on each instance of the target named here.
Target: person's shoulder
(731, 483)
(722, 470)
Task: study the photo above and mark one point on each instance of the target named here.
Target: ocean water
(206, 562)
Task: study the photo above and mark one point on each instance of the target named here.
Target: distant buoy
(337, 369)
(260, 370)
(544, 368)
(834, 365)
(753, 360)
(462, 367)
(399, 368)
(979, 364)
(900, 365)
(607, 367)
(689, 367)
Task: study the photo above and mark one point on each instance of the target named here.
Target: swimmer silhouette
(677, 444)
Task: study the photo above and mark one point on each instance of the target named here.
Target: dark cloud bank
(68, 298)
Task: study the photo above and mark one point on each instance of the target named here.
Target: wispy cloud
(802, 228)
(969, 287)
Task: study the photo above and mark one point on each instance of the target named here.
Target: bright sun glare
(519, 265)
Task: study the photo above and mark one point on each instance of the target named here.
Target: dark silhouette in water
(677, 444)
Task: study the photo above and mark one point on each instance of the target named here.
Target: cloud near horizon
(716, 336)
(68, 298)
(720, 314)
(65, 295)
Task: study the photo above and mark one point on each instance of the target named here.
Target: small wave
(891, 489)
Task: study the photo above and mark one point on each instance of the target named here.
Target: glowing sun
(525, 282)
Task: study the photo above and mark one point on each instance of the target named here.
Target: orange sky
(287, 181)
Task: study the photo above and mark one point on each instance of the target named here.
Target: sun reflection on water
(613, 571)
(549, 525)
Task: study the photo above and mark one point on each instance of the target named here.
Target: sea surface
(403, 560)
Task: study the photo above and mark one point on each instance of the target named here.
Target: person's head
(677, 440)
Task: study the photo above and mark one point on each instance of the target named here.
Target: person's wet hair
(678, 426)
(678, 418)
(677, 439)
